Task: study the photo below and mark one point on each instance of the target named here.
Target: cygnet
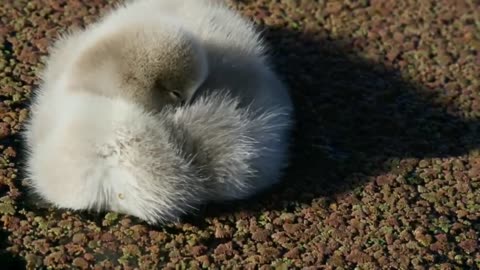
(102, 147)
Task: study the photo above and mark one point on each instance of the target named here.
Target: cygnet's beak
(196, 93)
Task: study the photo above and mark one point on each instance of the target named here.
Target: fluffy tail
(234, 150)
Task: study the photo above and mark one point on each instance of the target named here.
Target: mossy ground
(385, 170)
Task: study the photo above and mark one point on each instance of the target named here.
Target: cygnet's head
(152, 65)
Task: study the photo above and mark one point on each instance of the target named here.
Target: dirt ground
(385, 168)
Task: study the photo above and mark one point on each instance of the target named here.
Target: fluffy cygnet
(97, 151)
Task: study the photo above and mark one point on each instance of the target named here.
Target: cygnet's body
(91, 150)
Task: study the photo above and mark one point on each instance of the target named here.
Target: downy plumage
(101, 145)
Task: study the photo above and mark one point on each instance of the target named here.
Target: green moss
(413, 179)
(94, 244)
(110, 218)
(7, 208)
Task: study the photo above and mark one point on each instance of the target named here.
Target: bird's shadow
(355, 120)
(7, 259)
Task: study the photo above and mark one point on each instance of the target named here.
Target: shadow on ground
(355, 119)
(8, 260)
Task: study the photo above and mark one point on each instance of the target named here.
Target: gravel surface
(386, 163)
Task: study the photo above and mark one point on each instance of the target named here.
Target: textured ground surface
(386, 166)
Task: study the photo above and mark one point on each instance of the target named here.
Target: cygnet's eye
(176, 95)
